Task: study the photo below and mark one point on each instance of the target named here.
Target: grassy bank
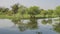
(25, 16)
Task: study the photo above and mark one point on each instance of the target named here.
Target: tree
(50, 12)
(15, 8)
(22, 10)
(34, 10)
(1, 10)
(4, 10)
(58, 11)
(9, 13)
(43, 12)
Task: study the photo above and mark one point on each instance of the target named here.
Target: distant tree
(4, 10)
(0, 9)
(10, 13)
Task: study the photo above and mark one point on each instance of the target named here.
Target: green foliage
(15, 8)
(43, 12)
(50, 13)
(4, 10)
(16, 19)
(33, 10)
(58, 10)
(44, 22)
(56, 27)
(25, 12)
(49, 21)
(22, 9)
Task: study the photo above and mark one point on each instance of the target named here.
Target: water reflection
(33, 25)
(16, 20)
(39, 32)
(56, 27)
(49, 21)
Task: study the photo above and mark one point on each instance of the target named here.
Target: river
(43, 26)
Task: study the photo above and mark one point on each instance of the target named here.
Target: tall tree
(22, 10)
(15, 8)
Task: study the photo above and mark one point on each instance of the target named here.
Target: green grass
(25, 16)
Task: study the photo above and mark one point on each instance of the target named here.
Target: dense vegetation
(19, 11)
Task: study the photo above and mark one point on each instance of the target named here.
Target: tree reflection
(16, 20)
(30, 25)
(44, 22)
(56, 27)
(22, 27)
(39, 32)
(49, 21)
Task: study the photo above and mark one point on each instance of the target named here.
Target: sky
(43, 4)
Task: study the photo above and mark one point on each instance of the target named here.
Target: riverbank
(24, 17)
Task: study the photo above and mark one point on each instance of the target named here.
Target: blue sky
(44, 4)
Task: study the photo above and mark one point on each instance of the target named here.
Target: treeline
(26, 12)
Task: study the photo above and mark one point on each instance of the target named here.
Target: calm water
(40, 26)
